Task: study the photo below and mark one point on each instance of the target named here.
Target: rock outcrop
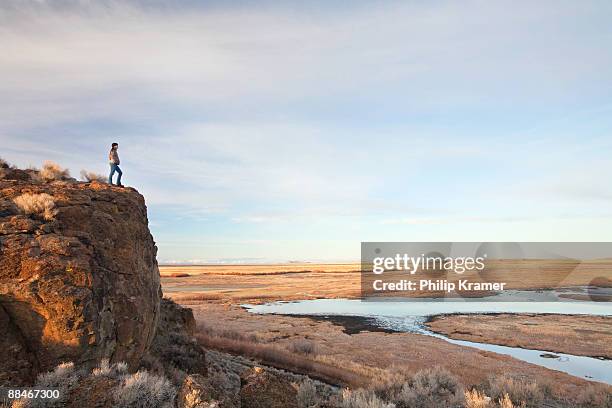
(77, 283)
(174, 345)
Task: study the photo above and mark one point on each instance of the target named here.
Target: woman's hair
(114, 144)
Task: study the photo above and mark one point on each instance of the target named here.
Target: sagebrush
(431, 388)
(139, 390)
(53, 172)
(90, 176)
(144, 390)
(521, 391)
(40, 205)
(303, 346)
(65, 377)
(307, 395)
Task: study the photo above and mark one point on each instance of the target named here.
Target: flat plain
(328, 351)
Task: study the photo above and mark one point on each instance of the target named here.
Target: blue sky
(277, 131)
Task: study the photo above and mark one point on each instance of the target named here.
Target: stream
(411, 316)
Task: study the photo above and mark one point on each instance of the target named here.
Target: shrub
(303, 346)
(52, 171)
(144, 390)
(476, 399)
(91, 176)
(140, 390)
(362, 399)
(42, 205)
(595, 397)
(307, 396)
(431, 388)
(65, 377)
(4, 166)
(519, 390)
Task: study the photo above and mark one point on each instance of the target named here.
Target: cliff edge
(78, 275)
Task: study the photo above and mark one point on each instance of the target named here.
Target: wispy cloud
(253, 121)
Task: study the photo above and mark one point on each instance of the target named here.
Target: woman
(113, 159)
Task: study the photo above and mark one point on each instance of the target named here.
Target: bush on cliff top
(41, 205)
(52, 171)
(89, 176)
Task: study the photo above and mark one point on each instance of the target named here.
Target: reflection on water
(409, 317)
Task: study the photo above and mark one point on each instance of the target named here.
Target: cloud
(281, 114)
(91, 60)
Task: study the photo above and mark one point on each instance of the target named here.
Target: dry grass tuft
(110, 370)
(52, 171)
(476, 399)
(362, 399)
(506, 402)
(42, 205)
(89, 176)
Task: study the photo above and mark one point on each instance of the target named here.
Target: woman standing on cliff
(113, 159)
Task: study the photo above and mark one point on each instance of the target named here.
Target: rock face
(81, 286)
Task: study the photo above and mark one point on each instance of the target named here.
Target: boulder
(79, 283)
(174, 345)
(262, 389)
(195, 392)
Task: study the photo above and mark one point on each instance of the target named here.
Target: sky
(293, 131)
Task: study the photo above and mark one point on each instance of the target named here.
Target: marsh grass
(279, 357)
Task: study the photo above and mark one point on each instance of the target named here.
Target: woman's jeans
(114, 168)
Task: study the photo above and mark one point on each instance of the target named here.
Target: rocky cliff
(78, 275)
